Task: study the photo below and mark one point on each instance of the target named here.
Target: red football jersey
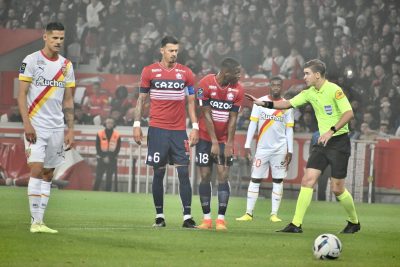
(167, 88)
(222, 100)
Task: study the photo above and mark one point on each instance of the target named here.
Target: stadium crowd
(358, 40)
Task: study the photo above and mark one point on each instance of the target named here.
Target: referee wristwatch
(333, 128)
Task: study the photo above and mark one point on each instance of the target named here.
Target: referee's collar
(322, 89)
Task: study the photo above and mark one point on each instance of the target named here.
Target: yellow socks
(303, 201)
(346, 200)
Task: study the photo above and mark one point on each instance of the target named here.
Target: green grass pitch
(114, 229)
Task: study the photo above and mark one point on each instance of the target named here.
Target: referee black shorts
(336, 154)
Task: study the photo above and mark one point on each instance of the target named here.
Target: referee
(333, 112)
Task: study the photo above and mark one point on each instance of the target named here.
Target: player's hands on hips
(30, 133)
(323, 139)
(193, 137)
(69, 140)
(288, 159)
(254, 99)
(137, 135)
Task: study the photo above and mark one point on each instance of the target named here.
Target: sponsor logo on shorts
(149, 158)
(61, 153)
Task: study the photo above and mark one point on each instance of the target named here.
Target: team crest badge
(22, 68)
(213, 93)
(230, 96)
(339, 94)
(179, 76)
(64, 68)
(328, 109)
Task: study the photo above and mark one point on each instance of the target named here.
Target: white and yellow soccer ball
(327, 246)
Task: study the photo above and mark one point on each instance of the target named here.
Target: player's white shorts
(49, 148)
(262, 162)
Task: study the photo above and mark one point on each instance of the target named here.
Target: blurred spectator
(108, 144)
(367, 133)
(80, 117)
(203, 46)
(220, 51)
(244, 119)
(252, 55)
(129, 118)
(370, 120)
(117, 116)
(97, 101)
(93, 11)
(14, 115)
(206, 68)
(384, 129)
(120, 101)
(93, 14)
(308, 123)
(354, 129)
(292, 67)
(272, 62)
(111, 26)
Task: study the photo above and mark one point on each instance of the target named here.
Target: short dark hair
(276, 78)
(54, 26)
(316, 65)
(229, 64)
(169, 40)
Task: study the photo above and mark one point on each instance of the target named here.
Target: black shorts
(203, 155)
(336, 154)
(167, 146)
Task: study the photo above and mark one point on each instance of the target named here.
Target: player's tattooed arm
(30, 133)
(139, 106)
(69, 117)
(137, 131)
(69, 108)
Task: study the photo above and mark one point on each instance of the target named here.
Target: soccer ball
(327, 246)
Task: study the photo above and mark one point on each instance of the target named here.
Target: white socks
(252, 195)
(44, 199)
(276, 197)
(34, 198)
(38, 195)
